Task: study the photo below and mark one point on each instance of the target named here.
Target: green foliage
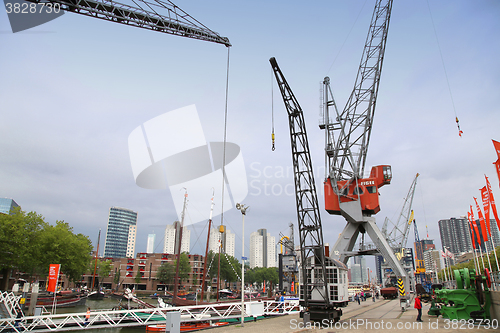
(166, 273)
(116, 278)
(138, 277)
(184, 267)
(103, 268)
(230, 267)
(261, 274)
(30, 244)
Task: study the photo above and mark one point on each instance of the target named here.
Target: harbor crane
(155, 15)
(323, 284)
(347, 135)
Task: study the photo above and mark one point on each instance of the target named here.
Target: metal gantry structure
(155, 15)
(348, 191)
(308, 215)
(141, 317)
(398, 235)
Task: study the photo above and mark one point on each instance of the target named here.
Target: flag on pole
(496, 144)
(474, 224)
(497, 167)
(486, 207)
(484, 232)
(53, 277)
(492, 201)
(449, 254)
(471, 231)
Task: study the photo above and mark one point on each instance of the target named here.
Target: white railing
(10, 301)
(141, 317)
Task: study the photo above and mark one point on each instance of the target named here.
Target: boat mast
(96, 255)
(206, 250)
(176, 279)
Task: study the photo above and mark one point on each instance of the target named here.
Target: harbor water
(105, 304)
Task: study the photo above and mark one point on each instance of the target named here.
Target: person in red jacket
(418, 306)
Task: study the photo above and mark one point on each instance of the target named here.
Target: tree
(230, 267)
(184, 267)
(60, 245)
(19, 242)
(165, 273)
(103, 268)
(30, 244)
(138, 277)
(116, 278)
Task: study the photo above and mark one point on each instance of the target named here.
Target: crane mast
(352, 127)
(155, 15)
(309, 220)
(348, 192)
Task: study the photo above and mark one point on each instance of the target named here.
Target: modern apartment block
(262, 249)
(223, 236)
(455, 235)
(151, 243)
(121, 233)
(6, 205)
(172, 236)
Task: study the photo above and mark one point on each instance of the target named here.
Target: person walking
(87, 317)
(418, 306)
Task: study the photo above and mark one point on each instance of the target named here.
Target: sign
(53, 277)
(244, 258)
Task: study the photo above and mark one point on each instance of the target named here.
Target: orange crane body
(366, 190)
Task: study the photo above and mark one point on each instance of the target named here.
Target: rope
(224, 144)
(272, 108)
(444, 69)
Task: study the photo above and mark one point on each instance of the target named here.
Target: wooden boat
(62, 300)
(186, 327)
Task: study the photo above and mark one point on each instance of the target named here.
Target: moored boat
(186, 327)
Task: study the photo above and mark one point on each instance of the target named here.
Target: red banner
(497, 167)
(492, 201)
(474, 224)
(484, 232)
(486, 207)
(496, 144)
(53, 277)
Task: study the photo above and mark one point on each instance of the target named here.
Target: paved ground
(379, 316)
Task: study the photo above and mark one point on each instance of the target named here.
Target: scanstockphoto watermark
(364, 324)
(268, 180)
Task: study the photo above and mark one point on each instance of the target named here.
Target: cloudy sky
(72, 91)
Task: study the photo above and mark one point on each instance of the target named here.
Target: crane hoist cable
(272, 110)
(460, 132)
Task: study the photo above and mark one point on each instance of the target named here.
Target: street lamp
(243, 210)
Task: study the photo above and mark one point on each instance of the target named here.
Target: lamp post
(243, 210)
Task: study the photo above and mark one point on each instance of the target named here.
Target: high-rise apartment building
(172, 236)
(262, 249)
(455, 235)
(151, 243)
(224, 238)
(121, 233)
(6, 205)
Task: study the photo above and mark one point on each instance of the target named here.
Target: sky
(72, 90)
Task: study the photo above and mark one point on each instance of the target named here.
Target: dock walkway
(381, 316)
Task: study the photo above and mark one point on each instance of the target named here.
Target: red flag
(484, 232)
(474, 224)
(496, 144)
(492, 201)
(53, 277)
(486, 207)
(497, 167)
(471, 231)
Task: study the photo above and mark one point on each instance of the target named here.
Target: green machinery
(471, 299)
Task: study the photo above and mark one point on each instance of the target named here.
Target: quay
(368, 317)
